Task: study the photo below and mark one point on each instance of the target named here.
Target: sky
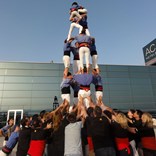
(34, 30)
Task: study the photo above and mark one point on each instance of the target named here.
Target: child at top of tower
(75, 10)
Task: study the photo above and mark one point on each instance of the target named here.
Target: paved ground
(1, 144)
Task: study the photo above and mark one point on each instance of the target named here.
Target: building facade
(33, 86)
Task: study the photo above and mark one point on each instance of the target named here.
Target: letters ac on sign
(150, 52)
(150, 49)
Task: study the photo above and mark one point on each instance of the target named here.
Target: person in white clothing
(84, 42)
(73, 144)
(73, 25)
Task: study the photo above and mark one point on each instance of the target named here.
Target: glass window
(106, 87)
(26, 108)
(103, 74)
(138, 69)
(119, 80)
(154, 89)
(45, 73)
(44, 94)
(16, 65)
(120, 99)
(4, 108)
(118, 74)
(152, 69)
(18, 79)
(119, 87)
(1, 94)
(120, 93)
(50, 86)
(1, 79)
(17, 94)
(142, 92)
(144, 105)
(106, 102)
(142, 99)
(20, 72)
(117, 68)
(103, 68)
(41, 107)
(17, 87)
(153, 75)
(50, 66)
(1, 86)
(106, 94)
(16, 102)
(124, 106)
(41, 101)
(46, 79)
(139, 75)
(2, 71)
(142, 81)
(141, 88)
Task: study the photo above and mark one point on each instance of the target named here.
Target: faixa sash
(6, 150)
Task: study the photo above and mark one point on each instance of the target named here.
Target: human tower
(82, 46)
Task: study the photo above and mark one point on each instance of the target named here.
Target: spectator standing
(132, 136)
(24, 138)
(121, 133)
(101, 134)
(148, 138)
(73, 144)
(38, 138)
(138, 124)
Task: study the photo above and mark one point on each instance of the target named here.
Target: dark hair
(85, 69)
(98, 111)
(132, 111)
(72, 117)
(83, 31)
(36, 123)
(93, 40)
(68, 74)
(74, 3)
(139, 112)
(65, 41)
(95, 70)
(42, 113)
(34, 116)
(9, 120)
(24, 121)
(90, 111)
(108, 114)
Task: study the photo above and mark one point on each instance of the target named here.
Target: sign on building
(150, 53)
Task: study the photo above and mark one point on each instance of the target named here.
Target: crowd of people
(81, 126)
(94, 131)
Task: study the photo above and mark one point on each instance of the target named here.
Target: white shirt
(73, 143)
